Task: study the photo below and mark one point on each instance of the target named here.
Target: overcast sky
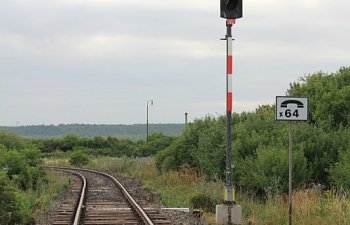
(99, 61)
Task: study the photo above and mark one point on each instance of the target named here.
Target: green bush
(33, 156)
(78, 158)
(17, 169)
(340, 172)
(20, 181)
(20, 171)
(12, 210)
(268, 171)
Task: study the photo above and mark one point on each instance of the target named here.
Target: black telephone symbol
(299, 104)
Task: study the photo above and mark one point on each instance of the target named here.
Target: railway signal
(229, 212)
(231, 9)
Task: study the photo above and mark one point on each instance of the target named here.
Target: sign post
(290, 108)
(290, 174)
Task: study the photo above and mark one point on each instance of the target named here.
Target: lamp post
(149, 101)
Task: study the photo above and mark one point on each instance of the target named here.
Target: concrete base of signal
(222, 214)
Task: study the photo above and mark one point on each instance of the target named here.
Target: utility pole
(149, 101)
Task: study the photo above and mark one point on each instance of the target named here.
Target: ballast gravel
(142, 195)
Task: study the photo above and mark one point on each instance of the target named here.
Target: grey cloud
(51, 54)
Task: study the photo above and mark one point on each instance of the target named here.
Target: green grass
(42, 199)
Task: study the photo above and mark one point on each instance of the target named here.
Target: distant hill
(135, 131)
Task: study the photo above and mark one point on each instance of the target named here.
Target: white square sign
(292, 108)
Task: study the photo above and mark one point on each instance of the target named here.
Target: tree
(211, 148)
(329, 97)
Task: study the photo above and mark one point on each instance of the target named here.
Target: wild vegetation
(193, 163)
(321, 146)
(25, 189)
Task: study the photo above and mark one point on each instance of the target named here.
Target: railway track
(97, 198)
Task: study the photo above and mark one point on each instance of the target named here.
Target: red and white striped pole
(229, 24)
(229, 191)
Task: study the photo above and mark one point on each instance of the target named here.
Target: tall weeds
(310, 207)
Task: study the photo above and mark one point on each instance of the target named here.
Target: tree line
(134, 131)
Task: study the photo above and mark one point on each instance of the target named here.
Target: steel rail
(131, 200)
(145, 218)
(81, 201)
(78, 209)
